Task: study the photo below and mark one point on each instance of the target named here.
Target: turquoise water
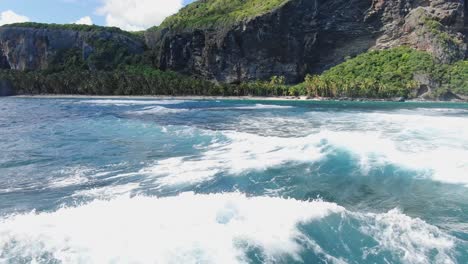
(171, 181)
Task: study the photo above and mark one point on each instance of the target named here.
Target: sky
(130, 15)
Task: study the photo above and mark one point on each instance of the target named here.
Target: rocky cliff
(309, 36)
(40, 47)
(235, 41)
(436, 26)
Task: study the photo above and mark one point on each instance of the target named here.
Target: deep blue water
(168, 181)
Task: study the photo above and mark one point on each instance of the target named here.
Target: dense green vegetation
(458, 77)
(387, 73)
(201, 14)
(133, 80)
(130, 80)
(75, 27)
(376, 74)
(106, 55)
(109, 67)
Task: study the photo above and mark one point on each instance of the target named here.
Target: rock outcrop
(30, 48)
(309, 36)
(300, 37)
(435, 26)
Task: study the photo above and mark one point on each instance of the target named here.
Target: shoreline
(166, 97)
(246, 98)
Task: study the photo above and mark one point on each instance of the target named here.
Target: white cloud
(84, 21)
(8, 17)
(137, 15)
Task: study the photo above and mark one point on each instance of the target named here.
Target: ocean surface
(182, 181)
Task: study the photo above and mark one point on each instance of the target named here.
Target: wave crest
(236, 152)
(218, 228)
(120, 102)
(187, 228)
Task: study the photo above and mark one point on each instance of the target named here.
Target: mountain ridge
(249, 40)
(215, 13)
(311, 36)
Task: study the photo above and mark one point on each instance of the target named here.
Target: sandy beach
(249, 98)
(164, 97)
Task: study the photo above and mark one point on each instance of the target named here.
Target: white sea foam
(250, 107)
(212, 228)
(262, 106)
(164, 110)
(107, 192)
(76, 176)
(412, 240)
(70, 176)
(132, 102)
(241, 152)
(445, 110)
(434, 145)
(157, 110)
(187, 228)
(375, 149)
(68, 181)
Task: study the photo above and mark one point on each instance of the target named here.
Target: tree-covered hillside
(207, 13)
(389, 73)
(76, 27)
(376, 74)
(56, 47)
(104, 64)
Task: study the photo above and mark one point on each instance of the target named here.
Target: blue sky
(127, 14)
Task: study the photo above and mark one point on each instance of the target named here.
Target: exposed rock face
(300, 37)
(309, 36)
(23, 48)
(436, 26)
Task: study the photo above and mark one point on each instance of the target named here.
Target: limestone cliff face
(309, 36)
(23, 48)
(299, 37)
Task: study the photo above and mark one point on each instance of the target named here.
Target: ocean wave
(445, 110)
(434, 145)
(70, 177)
(410, 239)
(376, 150)
(166, 230)
(407, 123)
(107, 192)
(241, 152)
(74, 176)
(157, 110)
(250, 107)
(217, 228)
(132, 102)
(261, 106)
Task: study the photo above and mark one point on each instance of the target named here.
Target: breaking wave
(240, 152)
(157, 110)
(262, 106)
(215, 228)
(132, 102)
